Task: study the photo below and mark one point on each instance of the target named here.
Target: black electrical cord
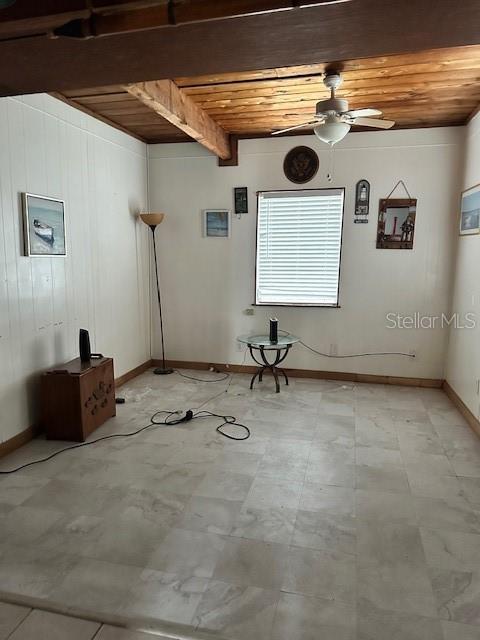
(189, 415)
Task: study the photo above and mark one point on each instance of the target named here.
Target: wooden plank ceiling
(431, 88)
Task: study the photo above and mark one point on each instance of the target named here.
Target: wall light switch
(249, 312)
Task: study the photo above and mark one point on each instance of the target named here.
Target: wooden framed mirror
(396, 223)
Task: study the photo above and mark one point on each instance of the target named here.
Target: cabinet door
(98, 397)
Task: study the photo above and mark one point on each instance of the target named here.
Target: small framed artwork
(43, 225)
(241, 200)
(470, 211)
(216, 223)
(396, 223)
(362, 198)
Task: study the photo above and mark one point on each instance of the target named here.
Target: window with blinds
(299, 239)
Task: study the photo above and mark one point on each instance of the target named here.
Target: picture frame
(43, 226)
(362, 198)
(240, 196)
(396, 223)
(216, 223)
(469, 223)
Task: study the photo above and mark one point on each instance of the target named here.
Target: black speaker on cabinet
(84, 344)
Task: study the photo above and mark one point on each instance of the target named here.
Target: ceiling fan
(332, 120)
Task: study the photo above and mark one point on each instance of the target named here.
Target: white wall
(463, 362)
(49, 148)
(209, 282)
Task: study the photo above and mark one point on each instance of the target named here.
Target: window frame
(298, 304)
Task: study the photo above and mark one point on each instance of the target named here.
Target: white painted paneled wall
(209, 282)
(46, 147)
(463, 362)
(49, 148)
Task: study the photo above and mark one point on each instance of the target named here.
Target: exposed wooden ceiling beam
(31, 16)
(170, 102)
(321, 34)
(97, 18)
(165, 14)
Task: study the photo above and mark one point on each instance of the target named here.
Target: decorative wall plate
(300, 164)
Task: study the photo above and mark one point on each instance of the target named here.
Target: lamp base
(160, 371)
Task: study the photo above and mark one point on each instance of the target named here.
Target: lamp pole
(153, 220)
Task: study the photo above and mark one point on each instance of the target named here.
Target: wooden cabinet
(77, 398)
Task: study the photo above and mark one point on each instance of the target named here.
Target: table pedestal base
(280, 355)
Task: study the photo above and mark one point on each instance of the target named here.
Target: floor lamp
(153, 220)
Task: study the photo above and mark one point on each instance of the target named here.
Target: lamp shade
(152, 219)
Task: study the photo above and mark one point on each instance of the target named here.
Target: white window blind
(299, 237)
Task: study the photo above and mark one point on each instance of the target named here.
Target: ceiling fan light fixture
(331, 131)
(333, 119)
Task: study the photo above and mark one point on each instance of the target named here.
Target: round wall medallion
(300, 164)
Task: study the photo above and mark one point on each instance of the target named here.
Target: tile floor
(353, 512)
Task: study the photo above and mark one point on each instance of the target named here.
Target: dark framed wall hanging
(240, 197)
(362, 202)
(396, 221)
(300, 164)
(362, 198)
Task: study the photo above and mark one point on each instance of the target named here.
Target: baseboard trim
(10, 445)
(462, 407)
(133, 373)
(309, 373)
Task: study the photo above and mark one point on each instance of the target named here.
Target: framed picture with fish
(43, 226)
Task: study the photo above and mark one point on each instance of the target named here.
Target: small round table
(262, 344)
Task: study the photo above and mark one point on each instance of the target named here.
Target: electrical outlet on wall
(240, 346)
(333, 349)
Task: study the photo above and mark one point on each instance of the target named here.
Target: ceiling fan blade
(373, 122)
(362, 113)
(298, 126)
